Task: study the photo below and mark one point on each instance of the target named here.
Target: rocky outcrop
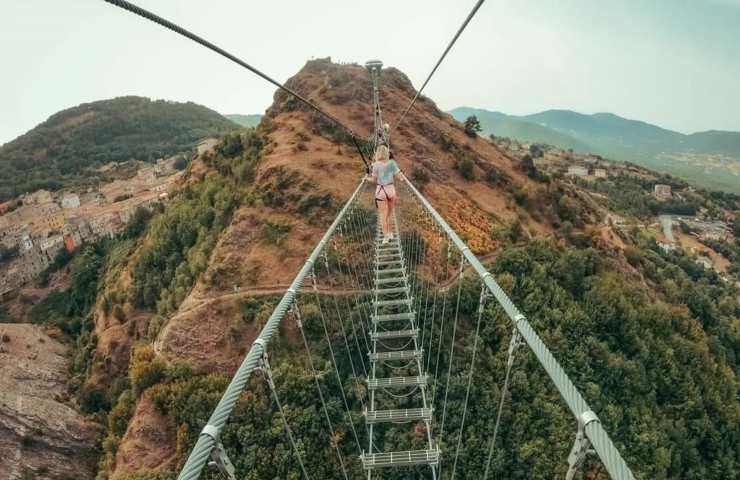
(41, 436)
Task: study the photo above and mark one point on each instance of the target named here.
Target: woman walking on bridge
(384, 171)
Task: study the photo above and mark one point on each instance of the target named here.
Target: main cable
(454, 39)
(185, 33)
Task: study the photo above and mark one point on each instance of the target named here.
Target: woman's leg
(383, 216)
(389, 216)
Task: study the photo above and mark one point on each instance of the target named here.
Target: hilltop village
(36, 227)
(675, 221)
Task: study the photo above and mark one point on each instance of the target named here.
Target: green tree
(472, 126)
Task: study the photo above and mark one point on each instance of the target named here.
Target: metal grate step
(384, 281)
(389, 270)
(398, 416)
(394, 459)
(389, 317)
(393, 303)
(389, 262)
(395, 355)
(387, 291)
(382, 257)
(397, 382)
(394, 334)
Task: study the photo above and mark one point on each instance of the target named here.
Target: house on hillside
(599, 173)
(662, 192)
(70, 200)
(577, 171)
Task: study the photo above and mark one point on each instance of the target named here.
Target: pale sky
(675, 63)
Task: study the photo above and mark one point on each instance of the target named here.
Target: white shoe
(390, 236)
(385, 240)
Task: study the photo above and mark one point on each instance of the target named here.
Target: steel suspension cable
(200, 40)
(444, 54)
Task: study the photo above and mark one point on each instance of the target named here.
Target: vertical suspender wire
(440, 290)
(441, 333)
(504, 390)
(436, 278)
(481, 306)
(271, 382)
(354, 279)
(315, 376)
(352, 321)
(452, 348)
(362, 225)
(334, 363)
(344, 332)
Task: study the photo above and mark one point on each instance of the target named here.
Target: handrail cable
(208, 438)
(454, 39)
(186, 33)
(593, 430)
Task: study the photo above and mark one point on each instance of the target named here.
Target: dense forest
(65, 149)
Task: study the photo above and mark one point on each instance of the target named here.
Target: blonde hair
(381, 154)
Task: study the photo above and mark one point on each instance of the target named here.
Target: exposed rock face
(41, 437)
(149, 442)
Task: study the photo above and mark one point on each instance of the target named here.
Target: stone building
(71, 200)
(577, 171)
(662, 191)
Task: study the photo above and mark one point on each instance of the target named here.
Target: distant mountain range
(245, 120)
(708, 159)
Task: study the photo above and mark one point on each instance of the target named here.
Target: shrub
(420, 176)
(275, 232)
(465, 167)
(92, 399)
(181, 163)
(145, 369)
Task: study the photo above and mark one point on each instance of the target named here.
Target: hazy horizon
(667, 63)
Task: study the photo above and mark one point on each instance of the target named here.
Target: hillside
(251, 120)
(162, 315)
(65, 149)
(708, 159)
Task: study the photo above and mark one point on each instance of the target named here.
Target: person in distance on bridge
(384, 171)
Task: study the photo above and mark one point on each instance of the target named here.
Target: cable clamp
(581, 445)
(219, 459)
(261, 342)
(212, 431)
(518, 318)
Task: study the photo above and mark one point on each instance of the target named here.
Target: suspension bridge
(394, 340)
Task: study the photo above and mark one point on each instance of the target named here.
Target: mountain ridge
(709, 159)
(60, 151)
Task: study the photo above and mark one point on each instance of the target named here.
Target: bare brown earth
(148, 443)
(41, 435)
